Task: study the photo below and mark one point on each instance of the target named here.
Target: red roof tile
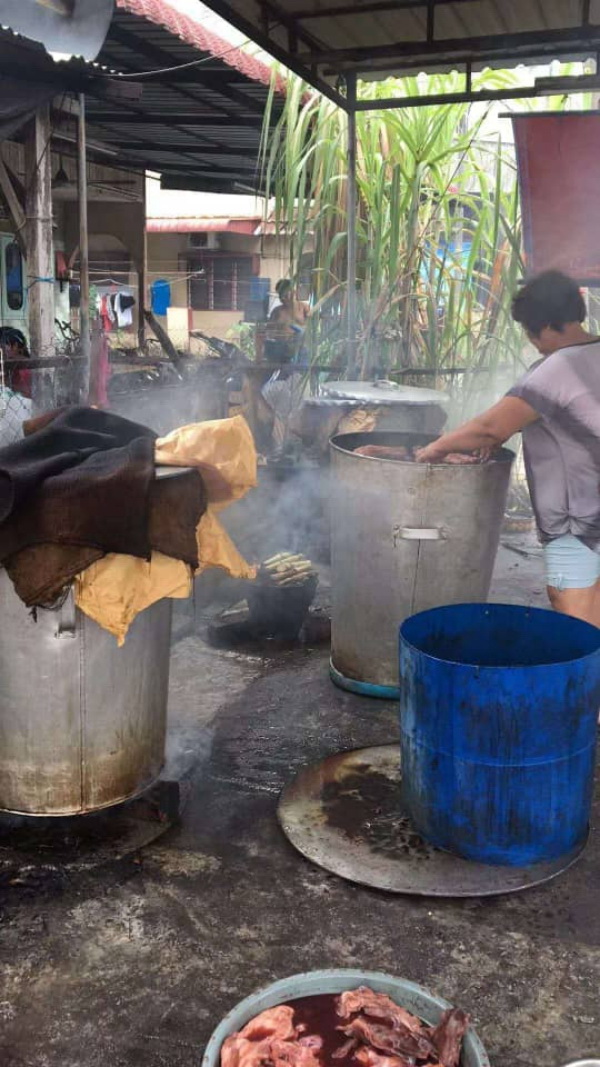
(195, 34)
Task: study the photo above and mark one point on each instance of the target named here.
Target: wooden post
(84, 259)
(40, 259)
(142, 273)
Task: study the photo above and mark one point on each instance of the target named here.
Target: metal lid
(171, 472)
(383, 393)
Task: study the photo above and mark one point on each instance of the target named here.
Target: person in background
(14, 346)
(284, 344)
(287, 322)
(556, 407)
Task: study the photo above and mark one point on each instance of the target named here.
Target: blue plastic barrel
(498, 714)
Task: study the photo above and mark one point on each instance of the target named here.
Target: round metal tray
(345, 814)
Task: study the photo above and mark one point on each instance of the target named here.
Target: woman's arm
(489, 430)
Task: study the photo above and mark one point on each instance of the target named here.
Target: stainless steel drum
(399, 408)
(404, 537)
(82, 721)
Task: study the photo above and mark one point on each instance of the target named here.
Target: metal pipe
(84, 260)
(389, 103)
(351, 225)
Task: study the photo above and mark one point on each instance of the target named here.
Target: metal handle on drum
(67, 617)
(418, 533)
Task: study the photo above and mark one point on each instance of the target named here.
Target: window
(13, 267)
(220, 283)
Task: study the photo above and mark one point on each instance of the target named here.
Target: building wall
(114, 223)
(168, 258)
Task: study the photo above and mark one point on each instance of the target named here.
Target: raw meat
(399, 452)
(345, 1050)
(458, 458)
(384, 452)
(275, 1022)
(396, 1039)
(291, 1054)
(271, 1040)
(448, 1036)
(367, 1057)
(378, 1006)
(379, 1034)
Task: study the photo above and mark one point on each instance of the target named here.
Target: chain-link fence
(31, 386)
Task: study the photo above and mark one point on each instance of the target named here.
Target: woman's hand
(432, 453)
(487, 431)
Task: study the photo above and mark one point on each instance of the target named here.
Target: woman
(556, 406)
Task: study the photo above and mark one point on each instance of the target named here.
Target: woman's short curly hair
(550, 299)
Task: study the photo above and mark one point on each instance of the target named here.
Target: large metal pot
(82, 721)
(405, 537)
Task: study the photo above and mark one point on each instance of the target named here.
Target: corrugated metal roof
(199, 127)
(195, 34)
(245, 227)
(321, 39)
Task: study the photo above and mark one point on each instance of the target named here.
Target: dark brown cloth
(41, 573)
(83, 479)
(84, 485)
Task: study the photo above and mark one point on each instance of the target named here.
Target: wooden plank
(17, 213)
(39, 254)
(84, 258)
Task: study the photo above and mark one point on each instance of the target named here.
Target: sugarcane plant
(438, 230)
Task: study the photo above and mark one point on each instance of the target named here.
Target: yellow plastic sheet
(116, 588)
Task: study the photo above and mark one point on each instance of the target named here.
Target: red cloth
(558, 159)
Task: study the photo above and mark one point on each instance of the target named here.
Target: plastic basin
(408, 995)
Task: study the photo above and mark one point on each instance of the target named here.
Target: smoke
(288, 512)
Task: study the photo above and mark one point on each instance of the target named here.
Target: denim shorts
(570, 564)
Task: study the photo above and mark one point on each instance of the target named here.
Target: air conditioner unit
(208, 241)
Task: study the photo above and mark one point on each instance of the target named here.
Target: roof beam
(401, 102)
(263, 39)
(190, 147)
(199, 140)
(464, 48)
(208, 168)
(163, 58)
(461, 49)
(369, 8)
(20, 61)
(172, 119)
(274, 11)
(192, 184)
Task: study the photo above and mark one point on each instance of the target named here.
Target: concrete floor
(132, 965)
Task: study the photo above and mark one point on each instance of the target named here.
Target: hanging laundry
(104, 314)
(160, 296)
(124, 302)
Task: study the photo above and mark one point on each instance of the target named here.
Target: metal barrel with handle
(404, 537)
(82, 721)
